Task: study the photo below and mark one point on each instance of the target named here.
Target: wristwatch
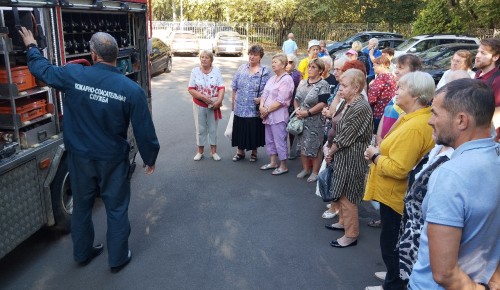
(30, 46)
(484, 285)
(309, 113)
(374, 156)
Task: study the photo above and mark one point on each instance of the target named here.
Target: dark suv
(362, 37)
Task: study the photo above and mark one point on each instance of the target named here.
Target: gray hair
(420, 84)
(374, 40)
(340, 62)
(281, 57)
(105, 46)
(470, 96)
(327, 60)
(207, 53)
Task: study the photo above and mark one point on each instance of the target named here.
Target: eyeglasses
(290, 61)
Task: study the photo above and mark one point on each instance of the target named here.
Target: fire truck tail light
(44, 163)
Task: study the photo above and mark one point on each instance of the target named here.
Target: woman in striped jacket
(346, 155)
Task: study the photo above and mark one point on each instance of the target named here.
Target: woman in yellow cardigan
(400, 150)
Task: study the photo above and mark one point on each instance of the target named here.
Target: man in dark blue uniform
(99, 103)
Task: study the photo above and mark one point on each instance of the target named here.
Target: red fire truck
(34, 181)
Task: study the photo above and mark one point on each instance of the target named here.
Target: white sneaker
(380, 275)
(374, 288)
(198, 157)
(216, 157)
(329, 215)
(303, 173)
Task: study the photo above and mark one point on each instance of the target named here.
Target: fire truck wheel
(62, 199)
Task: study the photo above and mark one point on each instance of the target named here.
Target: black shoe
(330, 227)
(118, 268)
(336, 244)
(96, 251)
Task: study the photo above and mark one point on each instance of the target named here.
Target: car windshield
(185, 36)
(431, 52)
(407, 44)
(230, 36)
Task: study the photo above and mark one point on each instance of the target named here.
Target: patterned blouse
(207, 84)
(247, 87)
(380, 93)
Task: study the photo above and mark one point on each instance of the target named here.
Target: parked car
(227, 42)
(161, 57)
(439, 52)
(361, 36)
(184, 42)
(382, 43)
(422, 43)
(437, 67)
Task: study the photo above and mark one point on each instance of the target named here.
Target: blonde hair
(356, 45)
(281, 57)
(207, 53)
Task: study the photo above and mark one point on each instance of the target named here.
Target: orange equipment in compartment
(27, 109)
(21, 77)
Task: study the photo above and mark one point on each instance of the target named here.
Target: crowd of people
(426, 156)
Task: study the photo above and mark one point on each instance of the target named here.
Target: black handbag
(257, 106)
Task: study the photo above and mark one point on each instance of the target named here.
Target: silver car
(228, 42)
(184, 42)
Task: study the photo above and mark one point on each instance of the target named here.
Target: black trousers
(389, 235)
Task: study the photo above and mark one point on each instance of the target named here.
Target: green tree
(392, 11)
(437, 17)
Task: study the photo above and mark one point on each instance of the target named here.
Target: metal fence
(271, 36)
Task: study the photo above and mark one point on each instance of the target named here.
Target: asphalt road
(207, 224)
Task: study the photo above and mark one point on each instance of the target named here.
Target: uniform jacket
(99, 105)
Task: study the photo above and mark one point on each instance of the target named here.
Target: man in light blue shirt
(459, 245)
(373, 51)
(289, 46)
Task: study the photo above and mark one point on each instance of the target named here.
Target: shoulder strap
(493, 77)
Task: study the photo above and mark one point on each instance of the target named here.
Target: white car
(422, 43)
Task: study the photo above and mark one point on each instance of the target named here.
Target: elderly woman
(296, 76)
(461, 60)
(381, 89)
(344, 150)
(207, 89)
(399, 152)
(274, 113)
(312, 50)
(310, 99)
(247, 85)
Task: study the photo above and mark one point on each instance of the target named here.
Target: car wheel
(62, 199)
(169, 65)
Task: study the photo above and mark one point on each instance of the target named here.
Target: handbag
(257, 106)
(295, 125)
(229, 129)
(325, 185)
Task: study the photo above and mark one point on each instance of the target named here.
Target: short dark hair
(410, 60)
(105, 46)
(388, 50)
(494, 43)
(256, 49)
(471, 96)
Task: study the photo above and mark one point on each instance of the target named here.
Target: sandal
(375, 223)
(268, 166)
(238, 157)
(253, 158)
(279, 171)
